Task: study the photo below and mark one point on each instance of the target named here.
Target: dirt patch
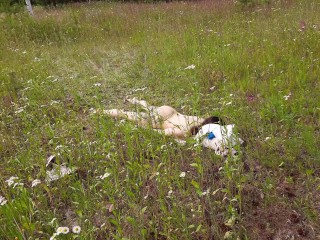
(275, 221)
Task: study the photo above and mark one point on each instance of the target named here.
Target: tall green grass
(257, 68)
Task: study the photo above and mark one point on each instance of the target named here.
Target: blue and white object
(221, 139)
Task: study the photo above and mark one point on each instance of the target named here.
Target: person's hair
(217, 120)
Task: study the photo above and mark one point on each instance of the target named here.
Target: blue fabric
(211, 136)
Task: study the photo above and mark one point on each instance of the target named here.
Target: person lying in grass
(211, 132)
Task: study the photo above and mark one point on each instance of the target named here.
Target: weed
(256, 67)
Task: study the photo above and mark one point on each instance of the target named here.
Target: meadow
(256, 66)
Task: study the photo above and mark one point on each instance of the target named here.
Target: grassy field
(256, 67)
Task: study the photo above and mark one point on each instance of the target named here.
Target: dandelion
(190, 67)
(76, 229)
(35, 182)
(3, 201)
(182, 174)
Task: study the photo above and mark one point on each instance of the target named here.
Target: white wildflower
(3, 201)
(54, 102)
(17, 184)
(267, 138)
(20, 110)
(122, 121)
(190, 67)
(11, 180)
(58, 147)
(53, 236)
(206, 192)
(286, 97)
(76, 229)
(63, 230)
(35, 182)
(59, 172)
(50, 160)
(163, 147)
(52, 221)
(93, 111)
(59, 230)
(182, 174)
(104, 175)
(138, 89)
(97, 84)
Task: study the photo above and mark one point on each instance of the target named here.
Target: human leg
(139, 118)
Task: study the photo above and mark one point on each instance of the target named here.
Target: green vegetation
(258, 68)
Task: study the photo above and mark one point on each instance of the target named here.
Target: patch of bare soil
(274, 221)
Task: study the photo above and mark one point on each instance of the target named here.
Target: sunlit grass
(257, 68)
